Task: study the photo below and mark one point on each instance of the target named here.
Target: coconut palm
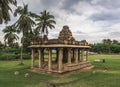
(24, 24)
(45, 21)
(10, 35)
(4, 10)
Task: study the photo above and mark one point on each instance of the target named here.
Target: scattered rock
(16, 73)
(93, 72)
(97, 60)
(106, 69)
(27, 75)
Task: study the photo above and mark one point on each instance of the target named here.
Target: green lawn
(110, 78)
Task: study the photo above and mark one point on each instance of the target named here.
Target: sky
(92, 20)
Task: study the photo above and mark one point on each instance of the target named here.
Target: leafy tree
(24, 24)
(107, 43)
(45, 21)
(16, 45)
(1, 45)
(115, 42)
(4, 10)
(107, 46)
(10, 35)
(115, 48)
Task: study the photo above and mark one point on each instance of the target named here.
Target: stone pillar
(32, 58)
(76, 55)
(82, 54)
(69, 56)
(60, 57)
(79, 55)
(73, 56)
(49, 59)
(42, 55)
(56, 55)
(65, 55)
(87, 53)
(40, 58)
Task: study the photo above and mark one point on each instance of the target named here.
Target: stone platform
(67, 69)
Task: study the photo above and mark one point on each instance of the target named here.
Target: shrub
(13, 56)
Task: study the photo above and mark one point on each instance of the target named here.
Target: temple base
(67, 69)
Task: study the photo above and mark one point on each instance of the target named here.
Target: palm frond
(45, 21)
(4, 10)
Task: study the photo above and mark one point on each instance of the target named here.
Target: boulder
(16, 73)
(27, 75)
(97, 60)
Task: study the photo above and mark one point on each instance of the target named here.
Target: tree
(104, 41)
(45, 21)
(107, 46)
(108, 43)
(1, 45)
(115, 48)
(24, 24)
(10, 35)
(4, 10)
(115, 42)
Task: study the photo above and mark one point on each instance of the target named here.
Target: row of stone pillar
(79, 55)
(60, 51)
(60, 57)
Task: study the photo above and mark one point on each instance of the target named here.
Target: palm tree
(1, 45)
(10, 35)
(24, 24)
(4, 10)
(45, 21)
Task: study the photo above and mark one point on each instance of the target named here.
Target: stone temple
(60, 55)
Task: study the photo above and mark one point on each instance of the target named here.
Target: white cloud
(94, 19)
(85, 8)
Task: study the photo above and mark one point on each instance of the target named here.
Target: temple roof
(66, 34)
(65, 38)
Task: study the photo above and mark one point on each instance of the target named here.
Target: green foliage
(10, 35)
(1, 45)
(25, 23)
(45, 21)
(115, 48)
(4, 10)
(107, 46)
(13, 54)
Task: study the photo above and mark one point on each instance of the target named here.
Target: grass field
(110, 78)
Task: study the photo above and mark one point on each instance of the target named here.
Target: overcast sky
(93, 20)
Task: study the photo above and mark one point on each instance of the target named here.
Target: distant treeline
(106, 46)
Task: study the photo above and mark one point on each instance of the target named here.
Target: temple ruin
(60, 55)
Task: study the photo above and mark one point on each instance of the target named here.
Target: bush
(13, 54)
